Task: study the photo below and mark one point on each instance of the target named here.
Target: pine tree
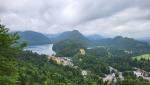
(8, 50)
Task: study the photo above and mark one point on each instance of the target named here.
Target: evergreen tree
(8, 50)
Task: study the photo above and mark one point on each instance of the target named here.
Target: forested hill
(145, 39)
(70, 42)
(75, 40)
(124, 43)
(18, 67)
(74, 35)
(95, 37)
(34, 38)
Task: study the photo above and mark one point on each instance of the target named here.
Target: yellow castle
(82, 51)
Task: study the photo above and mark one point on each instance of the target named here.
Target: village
(64, 60)
(111, 77)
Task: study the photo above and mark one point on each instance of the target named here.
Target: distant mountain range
(34, 38)
(95, 37)
(52, 37)
(145, 39)
(69, 40)
(75, 37)
(126, 44)
(68, 43)
(65, 35)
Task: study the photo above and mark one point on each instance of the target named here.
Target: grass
(145, 56)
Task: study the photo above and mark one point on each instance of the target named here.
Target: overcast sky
(129, 18)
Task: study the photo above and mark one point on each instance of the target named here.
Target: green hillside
(74, 36)
(117, 47)
(69, 43)
(145, 56)
(18, 67)
(33, 38)
(126, 44)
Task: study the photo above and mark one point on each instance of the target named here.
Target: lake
(42, 49)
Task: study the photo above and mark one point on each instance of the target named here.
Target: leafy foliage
(35, 69)
(67, 48)
(91, 63)
(126, 44)
(8, 50)
(26, 68)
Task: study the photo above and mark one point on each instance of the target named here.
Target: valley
(71, 58)
(145, 56)
(74, 42)
(109, 51)
(41, 49)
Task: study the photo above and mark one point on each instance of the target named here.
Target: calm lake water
(42, 49)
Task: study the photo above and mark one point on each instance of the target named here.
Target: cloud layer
(105, 17)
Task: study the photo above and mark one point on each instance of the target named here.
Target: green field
(145, 56)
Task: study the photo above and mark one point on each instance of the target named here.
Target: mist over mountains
(65, 38)
(75, 42)
(33, 38)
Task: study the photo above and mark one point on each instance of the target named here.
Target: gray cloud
(106, 17)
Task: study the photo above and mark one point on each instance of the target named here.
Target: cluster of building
(82, 51)
(112, 76)
(61, 60)
(64, 60)
(128, 52)
(142, 73)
